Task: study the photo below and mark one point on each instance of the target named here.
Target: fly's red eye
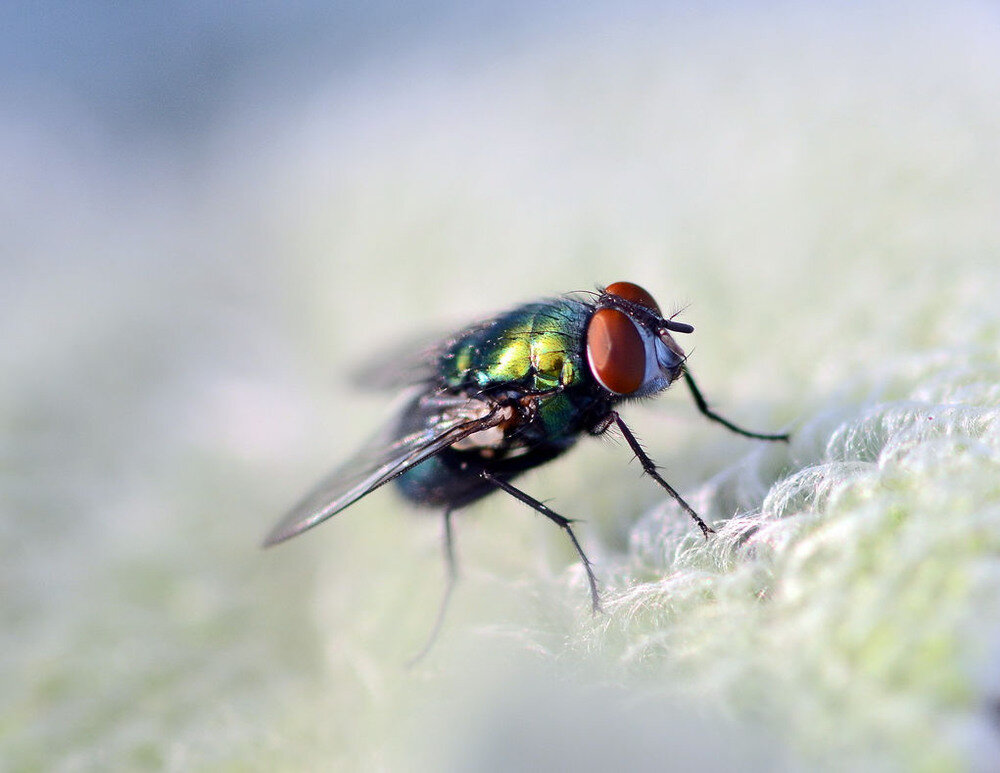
(634, 293)
(615, 351)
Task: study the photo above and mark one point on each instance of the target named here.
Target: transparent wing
(428, 425)
(416, 360)
(412, 362)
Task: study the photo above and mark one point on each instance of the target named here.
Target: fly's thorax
(535, 347)
(630, 351)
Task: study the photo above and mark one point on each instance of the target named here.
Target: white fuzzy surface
(820, 190)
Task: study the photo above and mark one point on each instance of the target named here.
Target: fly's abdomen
(440, 482)
(452, 479)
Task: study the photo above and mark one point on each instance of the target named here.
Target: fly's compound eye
(635, 294)
(615, 351)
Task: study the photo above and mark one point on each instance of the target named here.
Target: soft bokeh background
(211, 214)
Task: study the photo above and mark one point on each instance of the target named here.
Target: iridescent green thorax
(534, 348)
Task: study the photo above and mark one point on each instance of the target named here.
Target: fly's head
(630, 349)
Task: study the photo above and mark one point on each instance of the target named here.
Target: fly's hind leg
(451, 567)
(558, 520)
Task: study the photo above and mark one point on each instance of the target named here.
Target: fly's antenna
(677, 327)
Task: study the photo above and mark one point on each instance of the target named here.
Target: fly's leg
(558, 520)
(452, 576)
(649, 467)
(702, 404)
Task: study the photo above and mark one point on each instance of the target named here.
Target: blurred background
(212, 214)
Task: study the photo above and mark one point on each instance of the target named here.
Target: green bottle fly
(509, 394)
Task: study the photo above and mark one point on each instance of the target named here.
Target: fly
(511, 393)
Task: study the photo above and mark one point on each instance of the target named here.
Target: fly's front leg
(702, 404)
(649, 467)
(560, 521)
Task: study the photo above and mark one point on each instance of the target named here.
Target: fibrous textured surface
(817, 191)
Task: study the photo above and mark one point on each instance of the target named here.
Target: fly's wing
(412, 362)
(417, 361)
(430, 424)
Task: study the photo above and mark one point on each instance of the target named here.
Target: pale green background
(818, 190)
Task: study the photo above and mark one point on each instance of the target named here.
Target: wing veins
(361, 476)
